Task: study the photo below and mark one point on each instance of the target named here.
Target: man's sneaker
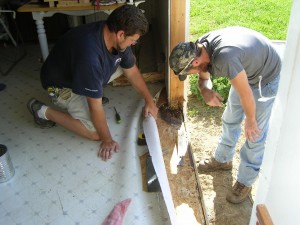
(239, 193)
(34, 106)
(211, 164)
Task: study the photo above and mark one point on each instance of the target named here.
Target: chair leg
(8, 32)
(8, 58)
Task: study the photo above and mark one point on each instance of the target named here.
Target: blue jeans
(251, 153)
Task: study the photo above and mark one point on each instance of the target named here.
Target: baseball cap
(181, 58)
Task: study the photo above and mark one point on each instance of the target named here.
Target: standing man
(84, 60)
(252, 65)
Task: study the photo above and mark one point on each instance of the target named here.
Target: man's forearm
(204, 81)
(142, 88)
(202, 84)
(210, 97)
(242, 87)
(99, 120)
(249, 106)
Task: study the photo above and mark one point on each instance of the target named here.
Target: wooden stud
(263, 216)
(177, 34)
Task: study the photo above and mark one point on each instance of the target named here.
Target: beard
(203, 67)
(119, 49)
(115, 51)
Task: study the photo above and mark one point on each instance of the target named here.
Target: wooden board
(67, 3)
(178, 31)
(263, 216)
(151, 77)
(34, 6)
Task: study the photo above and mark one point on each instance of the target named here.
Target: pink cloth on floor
(116, 216)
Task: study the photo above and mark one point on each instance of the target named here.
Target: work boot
(211, 164)
(239, 193)
(34, 106)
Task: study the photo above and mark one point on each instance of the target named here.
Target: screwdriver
(117, 116)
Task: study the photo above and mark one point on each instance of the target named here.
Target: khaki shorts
(75, 105)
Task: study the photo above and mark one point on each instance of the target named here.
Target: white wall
(279, 182)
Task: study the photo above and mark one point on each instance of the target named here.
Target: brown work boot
(211, 164)
(239, 193)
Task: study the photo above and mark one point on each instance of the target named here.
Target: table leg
(42, 38)
(39, 21)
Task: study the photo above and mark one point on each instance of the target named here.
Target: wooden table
(41, 10)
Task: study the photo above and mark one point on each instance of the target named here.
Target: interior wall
(150, 43)
(279, 178)
(161, 26)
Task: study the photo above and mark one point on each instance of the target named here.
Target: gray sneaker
(239, 193)
(34, 106)
(211, 164)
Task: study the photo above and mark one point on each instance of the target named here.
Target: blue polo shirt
(81, 61)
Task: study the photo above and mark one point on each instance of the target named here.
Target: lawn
(270, 17)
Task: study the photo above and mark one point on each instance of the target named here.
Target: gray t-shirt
(234, 49)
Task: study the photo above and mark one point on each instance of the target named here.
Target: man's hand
(151, 109)
(251, 130)
(107, 148)
(211, 97)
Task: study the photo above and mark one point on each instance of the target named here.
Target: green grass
(270, 17)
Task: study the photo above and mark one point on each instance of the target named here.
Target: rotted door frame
(178, 32)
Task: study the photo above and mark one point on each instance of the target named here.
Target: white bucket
(6, 167)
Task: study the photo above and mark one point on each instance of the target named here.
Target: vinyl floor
(59, 180)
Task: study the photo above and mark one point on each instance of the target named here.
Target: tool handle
(117, 116)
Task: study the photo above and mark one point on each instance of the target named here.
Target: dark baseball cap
(181, 58)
